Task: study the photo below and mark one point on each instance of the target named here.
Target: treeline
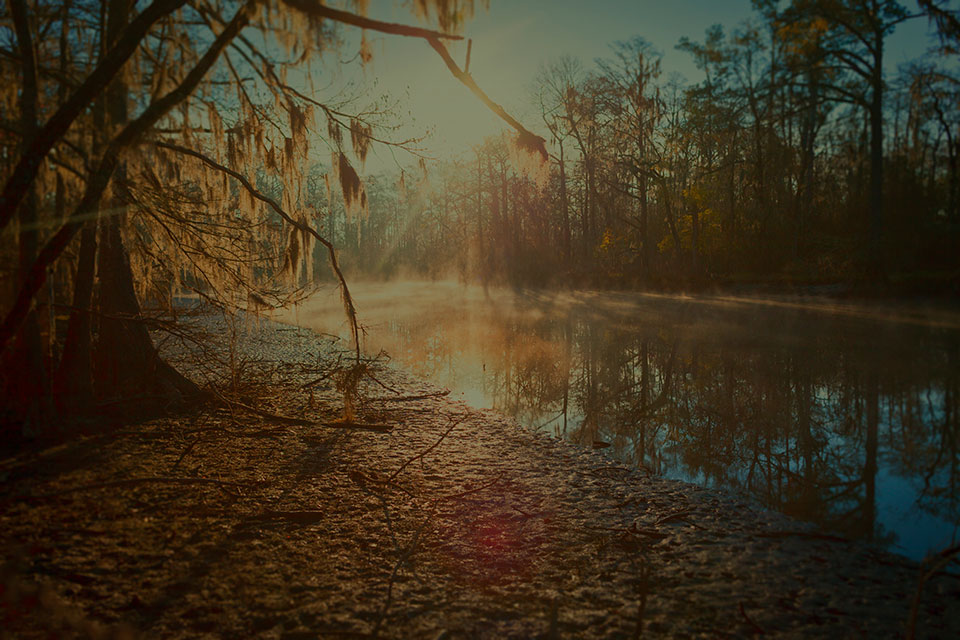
(796, 159)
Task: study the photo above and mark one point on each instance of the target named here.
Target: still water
(839, 414)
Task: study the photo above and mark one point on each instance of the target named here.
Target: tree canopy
(175, 139)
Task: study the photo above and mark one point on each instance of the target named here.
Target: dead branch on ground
(937, 562)
(420, 455)
(424, 396)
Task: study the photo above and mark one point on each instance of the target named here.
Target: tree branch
(527, 139)
(316, 8)
(29, 163)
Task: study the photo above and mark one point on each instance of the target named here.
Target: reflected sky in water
(841, 414)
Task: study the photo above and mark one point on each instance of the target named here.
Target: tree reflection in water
(843, 417)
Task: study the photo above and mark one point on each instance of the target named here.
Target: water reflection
(844, 416)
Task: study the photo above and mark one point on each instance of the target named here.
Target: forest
(717, 315)
(798, 159)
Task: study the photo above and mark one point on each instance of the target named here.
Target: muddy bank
(439, 521)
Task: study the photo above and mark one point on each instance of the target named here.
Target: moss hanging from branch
(354, 195)
(299, 225)
(360, 135)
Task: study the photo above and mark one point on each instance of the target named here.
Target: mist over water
(840, 414)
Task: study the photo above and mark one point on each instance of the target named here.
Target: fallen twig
(938, 562)
(382, 384)
(679, 515)
(425, 396)
(222, 484)
(186, 451)
(757, 628)
(271, 416)
(260, 412)
(317, 381)
(420, 455)
(362, 426)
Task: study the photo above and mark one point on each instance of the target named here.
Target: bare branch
(527, 139)
(29, 163)
(316, 8)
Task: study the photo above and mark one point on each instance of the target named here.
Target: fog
(832, 411)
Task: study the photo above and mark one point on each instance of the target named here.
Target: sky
(514, 38)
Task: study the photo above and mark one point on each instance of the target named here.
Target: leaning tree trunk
(99, 179)
(127, 367)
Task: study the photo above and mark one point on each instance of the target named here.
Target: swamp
(479, 319)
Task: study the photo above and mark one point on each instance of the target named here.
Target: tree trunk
(645, 244)
(127, 365)
(506, 229)
(27, 392)
(100, 177)
(21, 179)
(73, 384)
(592, 205)
(808, 138)
(481, 258)
(584, 222)
(565, 208)
(875, 259)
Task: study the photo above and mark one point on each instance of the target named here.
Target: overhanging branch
(316, 8)
(527, 139)
(300, 226)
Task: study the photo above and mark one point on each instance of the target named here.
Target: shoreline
(528, 352)
(455, 522)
